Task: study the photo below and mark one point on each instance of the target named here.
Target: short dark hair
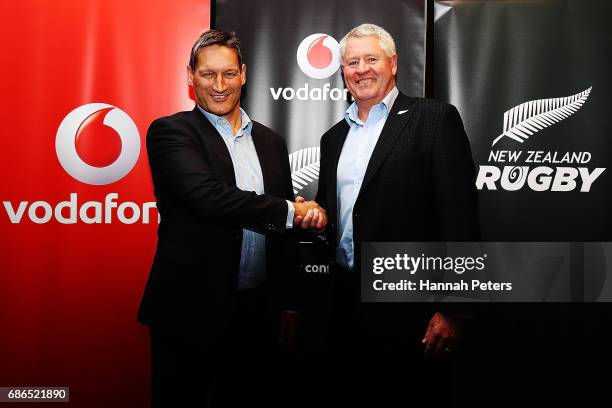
(215, 37)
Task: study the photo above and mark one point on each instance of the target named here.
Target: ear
(243, 74)
(189, 76)
(394, 64)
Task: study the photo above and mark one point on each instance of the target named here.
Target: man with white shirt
(396, 168)
(223, 265)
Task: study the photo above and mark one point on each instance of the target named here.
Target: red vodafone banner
(81, 82)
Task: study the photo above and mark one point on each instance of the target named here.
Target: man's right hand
(309, 215)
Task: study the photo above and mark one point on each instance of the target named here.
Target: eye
(230, 74)
(208, 75)
(371, 60)
(352, 64)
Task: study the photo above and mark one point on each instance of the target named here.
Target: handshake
(309, 215)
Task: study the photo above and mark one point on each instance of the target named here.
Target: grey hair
(215, 37)
(370, 30)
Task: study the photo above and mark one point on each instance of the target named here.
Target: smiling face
(217, 80)
(368, 72)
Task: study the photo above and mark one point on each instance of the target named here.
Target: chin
(220, 112)
(365, 98)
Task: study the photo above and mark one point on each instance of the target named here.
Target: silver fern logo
(530, 117)
(525, 120)
(304, 167)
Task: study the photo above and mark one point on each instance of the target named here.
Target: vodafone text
(307, 93)
(90, 212)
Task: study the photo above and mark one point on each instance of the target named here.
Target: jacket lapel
(211, 138)
(396, 122)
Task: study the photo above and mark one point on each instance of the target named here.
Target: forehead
(217, 57)
(358, 46)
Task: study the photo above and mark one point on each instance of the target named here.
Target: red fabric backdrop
(69, 292)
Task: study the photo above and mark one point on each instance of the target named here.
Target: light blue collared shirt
(354, 159)
(249, 177)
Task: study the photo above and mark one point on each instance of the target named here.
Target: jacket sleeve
(454, 181)
(455, 193)
(180, 170)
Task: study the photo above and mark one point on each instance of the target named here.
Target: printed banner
(531, 80)
(294, 84)
(81, 83)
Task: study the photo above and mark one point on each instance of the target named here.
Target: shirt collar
(351, 114)
(218, 121)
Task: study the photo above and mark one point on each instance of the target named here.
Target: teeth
(365, 81)
(219, 97)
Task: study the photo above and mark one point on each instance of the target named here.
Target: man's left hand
(443, 335)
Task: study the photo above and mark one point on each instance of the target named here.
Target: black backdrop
(489, 57)
(271, 32)
(485, 57)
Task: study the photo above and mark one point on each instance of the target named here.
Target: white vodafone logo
(116, 119)
(318, 56)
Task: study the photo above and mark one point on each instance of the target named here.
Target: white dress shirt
(356, 152)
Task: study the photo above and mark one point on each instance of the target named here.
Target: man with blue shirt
(223, 265)
(396, 168)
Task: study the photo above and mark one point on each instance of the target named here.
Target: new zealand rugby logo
(523, 121)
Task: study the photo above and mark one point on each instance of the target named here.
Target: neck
(363, 110)
(234, 119)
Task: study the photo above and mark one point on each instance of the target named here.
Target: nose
(219, 84)
(362, 67)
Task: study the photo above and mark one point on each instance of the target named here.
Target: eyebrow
(203, 70)
(366, 55)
